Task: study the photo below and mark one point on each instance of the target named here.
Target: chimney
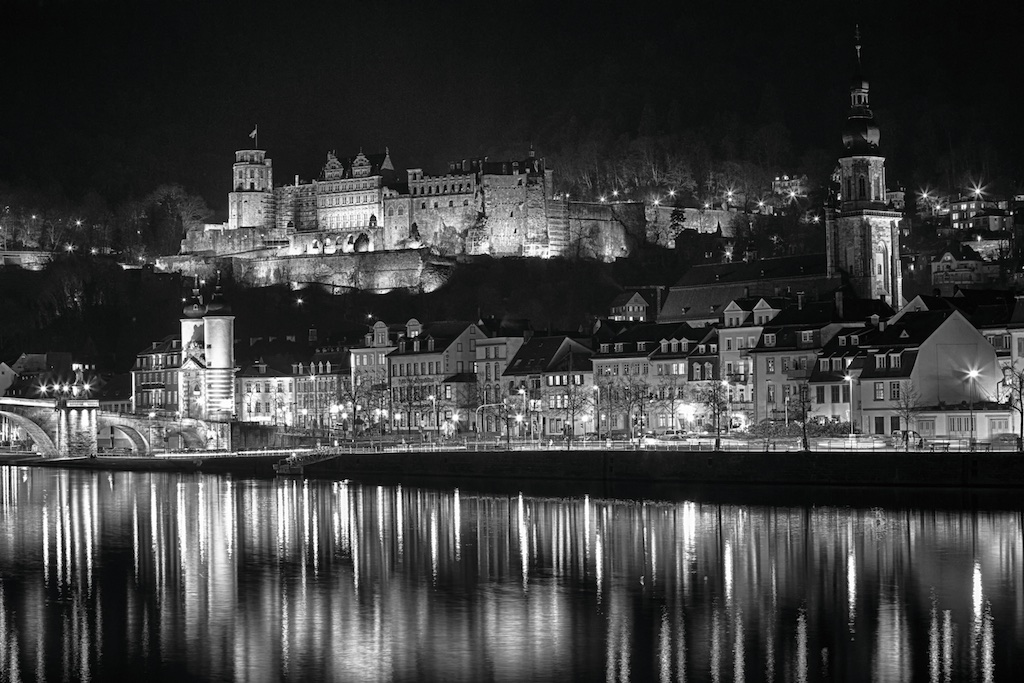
(839, 305)
(746, 292)
(881, 325)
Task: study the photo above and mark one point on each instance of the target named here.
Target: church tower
(251, 201)
(862, 235)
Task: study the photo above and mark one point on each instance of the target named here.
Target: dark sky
(120, 96)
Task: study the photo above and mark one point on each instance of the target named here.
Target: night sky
(118, 97)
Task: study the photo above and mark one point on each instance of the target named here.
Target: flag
(253, 133)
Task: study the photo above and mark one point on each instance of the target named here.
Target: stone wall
(225, 242)
(380, 271)
(1001, 469)
(602, 231)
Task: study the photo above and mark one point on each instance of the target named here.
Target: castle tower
(862, 235)
(219, 334)
(251, 201)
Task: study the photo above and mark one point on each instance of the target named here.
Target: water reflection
(193, 576)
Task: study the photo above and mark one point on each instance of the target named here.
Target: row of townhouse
(934, 370)
(944, 366)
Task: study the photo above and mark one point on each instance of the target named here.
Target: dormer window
(842, 341)
(807, 336)
(604, 348)
(430, 344)
(700, 348)
(641, 346)
(823, 364)
(618, 348)
(894, 360)
(769, 340)
(416, 345)
(854, 340)
(664, 346)
(880, 361)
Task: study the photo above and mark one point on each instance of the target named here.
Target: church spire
(856, 44)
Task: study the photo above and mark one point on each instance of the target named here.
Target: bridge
(71, 427)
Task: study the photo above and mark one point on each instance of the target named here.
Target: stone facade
(362, 205)
(379, 271)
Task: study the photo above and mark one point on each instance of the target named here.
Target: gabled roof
(787, 267)
(442, 333)
(548, 354)
(626, 297)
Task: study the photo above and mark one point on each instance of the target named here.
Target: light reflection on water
(172, 577)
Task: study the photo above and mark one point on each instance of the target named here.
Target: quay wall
(998, 469)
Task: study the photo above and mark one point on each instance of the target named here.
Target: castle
(361, 206)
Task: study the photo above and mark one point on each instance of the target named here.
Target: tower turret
(219, 332)
(250, 203)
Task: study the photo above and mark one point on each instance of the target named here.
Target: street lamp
(597, 411)
(433, 408)
(849, 378)
(728, 404)
(972, 375)
(522, 392)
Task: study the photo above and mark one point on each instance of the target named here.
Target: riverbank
(858, 469)
(248, 465)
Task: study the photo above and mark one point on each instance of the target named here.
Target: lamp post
(433, 409)
(151, 416)
(972, 375)
(728, 405)
(597, 411)
(526, 412)
(849, 378)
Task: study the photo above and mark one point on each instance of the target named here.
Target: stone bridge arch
(44, 443)
(144, 433)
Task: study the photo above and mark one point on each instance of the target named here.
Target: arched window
(862, 187)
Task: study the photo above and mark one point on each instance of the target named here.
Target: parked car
(900, 437)
(1004, 442)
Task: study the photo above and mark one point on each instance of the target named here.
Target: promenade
(623, 462)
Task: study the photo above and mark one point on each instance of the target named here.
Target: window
(894, 423)
(696, 371)
(785, 364)
(769, 340)
(894, 391)
(807, 336)
(879, 362)
(448, 391)
(823, 364)
(835, 393)
(837, 363)
(819, 394)
(771, 394)
(770, 366)
(879, 391)
(842, 341)
(894, 360)
(728, 343)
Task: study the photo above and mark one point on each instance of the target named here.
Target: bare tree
(1013, 379)
(713, 397)
(907, 405)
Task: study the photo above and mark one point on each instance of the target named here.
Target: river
(171, 577)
